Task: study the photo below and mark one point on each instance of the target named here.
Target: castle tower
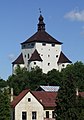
(41, 50)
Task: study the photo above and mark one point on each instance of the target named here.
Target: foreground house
(42, 50)
(34, 105)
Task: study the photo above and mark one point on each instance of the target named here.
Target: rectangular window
(32, 44)
(53, 114)
(24, 115)
(34, 116)
(47, 114)
(53, 44)
(44, 44)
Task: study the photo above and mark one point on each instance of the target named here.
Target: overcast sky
(64, 21)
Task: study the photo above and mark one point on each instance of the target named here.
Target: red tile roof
(19, 60)
(63, 58)
(35, 56)
(41, 36)
(81, 94)
(47, 99)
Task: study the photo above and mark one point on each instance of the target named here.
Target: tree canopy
(69, 106)
(4, 105)
(23, 79)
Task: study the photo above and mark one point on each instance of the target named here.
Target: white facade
(49, 54)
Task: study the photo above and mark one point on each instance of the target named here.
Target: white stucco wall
(29, 107)
(15, 67)
(48, 54)
(32, 65)
(62, 65)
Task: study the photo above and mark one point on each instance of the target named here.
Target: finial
(40, 10)
(41, 24)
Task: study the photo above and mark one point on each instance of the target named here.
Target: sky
(64, 21)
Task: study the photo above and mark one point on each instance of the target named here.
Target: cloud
(75, 15)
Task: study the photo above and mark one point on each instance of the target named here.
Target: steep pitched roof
(35, 56)
(47, 99)
(19, 60)
(41, 35)
(63, 59)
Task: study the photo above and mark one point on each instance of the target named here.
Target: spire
(41, 24)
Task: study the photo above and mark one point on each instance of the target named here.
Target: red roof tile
(63, 59)
(81, 94)
(19, 60)
(35, 56)
(46, 98)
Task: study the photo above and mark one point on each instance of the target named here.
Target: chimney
(77, 94)
(11, 94)
(40, 100)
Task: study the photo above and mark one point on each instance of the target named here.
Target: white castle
(41, 50)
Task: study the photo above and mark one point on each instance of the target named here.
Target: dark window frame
(24, 115)
(48, 64)
(47, 114)
(29, 99)
(44, 44)
(53, 44)
(34, 115)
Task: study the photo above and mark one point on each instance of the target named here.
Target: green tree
(19, 80)
(77, 71)
(54, 77)
(3, 83)
(67, 103)
(4, 105)
(23, 79)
